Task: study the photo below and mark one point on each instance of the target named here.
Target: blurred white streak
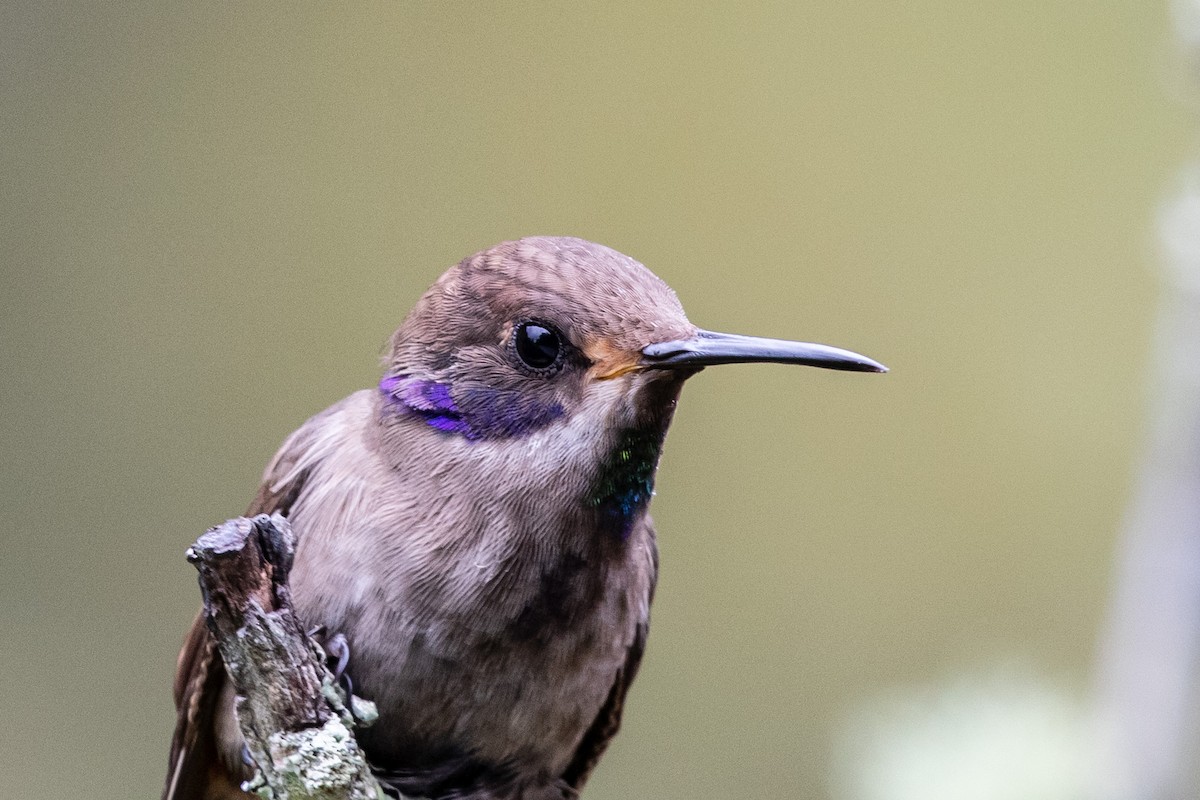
(1185, 14)
(1148, 659)
(1147, 671)
(1003, 735)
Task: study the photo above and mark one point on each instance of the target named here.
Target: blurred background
(916, 585)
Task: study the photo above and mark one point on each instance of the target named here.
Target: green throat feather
(625, 480)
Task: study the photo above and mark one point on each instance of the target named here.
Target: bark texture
(296, 721)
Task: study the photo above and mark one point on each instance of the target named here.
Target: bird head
(570, 343)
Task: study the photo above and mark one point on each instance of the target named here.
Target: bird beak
(707, 348)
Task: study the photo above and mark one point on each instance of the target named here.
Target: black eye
(538, 346)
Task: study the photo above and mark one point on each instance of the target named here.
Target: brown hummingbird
(477, 528)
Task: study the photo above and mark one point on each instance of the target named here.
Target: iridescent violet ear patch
(478, 413)
(429, 400)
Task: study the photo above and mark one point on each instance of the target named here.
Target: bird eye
(538, 346)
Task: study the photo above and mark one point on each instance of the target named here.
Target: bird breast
(481, 618)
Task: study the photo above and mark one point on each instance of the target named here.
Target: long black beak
(707, 348)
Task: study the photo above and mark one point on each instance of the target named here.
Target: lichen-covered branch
(296, 724)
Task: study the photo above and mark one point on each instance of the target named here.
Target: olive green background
(213, 215)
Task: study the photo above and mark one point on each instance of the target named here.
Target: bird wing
(194, 771)
(199, 767)
(608, 721)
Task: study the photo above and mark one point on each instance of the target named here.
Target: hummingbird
(476, 526)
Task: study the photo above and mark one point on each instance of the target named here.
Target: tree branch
(294, 717)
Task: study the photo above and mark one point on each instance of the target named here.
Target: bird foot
(337, 658)
(337, 653)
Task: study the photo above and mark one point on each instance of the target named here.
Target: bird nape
(476, 526)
